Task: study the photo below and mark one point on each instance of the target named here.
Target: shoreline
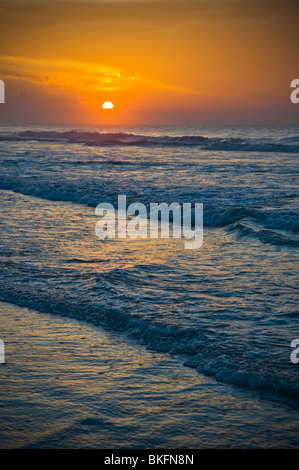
(67, 384)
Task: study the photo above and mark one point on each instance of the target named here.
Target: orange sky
(159, 62)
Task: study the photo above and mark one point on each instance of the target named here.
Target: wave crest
(123, 139)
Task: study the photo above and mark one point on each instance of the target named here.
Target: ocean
(227, 310)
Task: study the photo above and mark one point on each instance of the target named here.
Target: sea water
(228, 309)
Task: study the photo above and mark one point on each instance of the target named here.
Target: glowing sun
(108, 105)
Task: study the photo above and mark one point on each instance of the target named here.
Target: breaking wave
(195, 346)
(290, 145)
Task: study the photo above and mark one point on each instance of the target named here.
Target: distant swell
(115, 139)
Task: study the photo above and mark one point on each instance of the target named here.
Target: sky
(179, 62)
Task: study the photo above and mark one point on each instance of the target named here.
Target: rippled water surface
(228, 309)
